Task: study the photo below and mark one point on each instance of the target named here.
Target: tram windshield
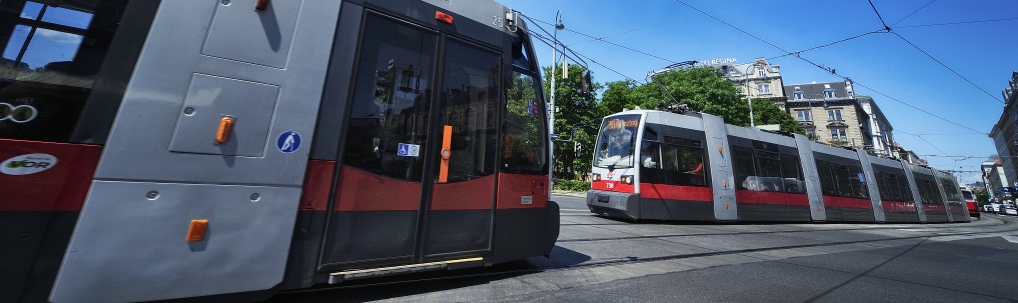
(616, 142)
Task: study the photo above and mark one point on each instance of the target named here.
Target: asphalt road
(603, 260)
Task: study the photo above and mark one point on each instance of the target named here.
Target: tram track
(635, 260)
(730, 234)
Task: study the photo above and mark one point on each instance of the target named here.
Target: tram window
(679, 165)
(881, 184)
(524, 143)
(650, 155)
(904, 188)
(768, 176)
(615, 142)
(890, 183)
(950, 189)
(841, 178)
(373, 133)
(744, 168)
(51, 59)
(692, 165)
(826, 178)
(649, 134)
(858, 179)
(935, 192)
(470, 84)
(792, 174)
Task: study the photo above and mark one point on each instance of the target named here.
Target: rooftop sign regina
(715, 62)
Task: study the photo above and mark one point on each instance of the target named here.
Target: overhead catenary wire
(662, 23)
(797, 53)
(924, 140)
(827, 69)
(888, 28)
(949, 68)
(913, 13)
(955, 23)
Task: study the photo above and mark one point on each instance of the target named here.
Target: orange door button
(223, 133)
(443, 168)
(197, 230)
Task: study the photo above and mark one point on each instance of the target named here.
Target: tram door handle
(443, 169)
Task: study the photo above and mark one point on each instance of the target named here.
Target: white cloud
(59, 37)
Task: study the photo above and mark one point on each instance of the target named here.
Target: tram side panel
(869, 179)
(159, 216)
(952, 197)
(845, 192)
(812, 179)
(913, 187)
(673, 176)
(895, 193)
(769, 180)
(53, 122)
(928, 195)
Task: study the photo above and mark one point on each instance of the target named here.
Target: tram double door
(417, 160)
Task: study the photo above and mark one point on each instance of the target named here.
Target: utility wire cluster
(797, 54)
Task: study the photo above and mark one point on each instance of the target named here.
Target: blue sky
(984, 53)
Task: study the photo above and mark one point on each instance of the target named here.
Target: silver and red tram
(658, 165)
(158, 150)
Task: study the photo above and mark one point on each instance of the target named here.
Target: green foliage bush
(572, 185)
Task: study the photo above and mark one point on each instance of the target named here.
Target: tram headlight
(627, 179)
(595, 177)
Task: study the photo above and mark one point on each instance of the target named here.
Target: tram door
(417, 165)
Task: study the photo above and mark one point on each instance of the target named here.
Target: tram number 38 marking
(498, 21)
(610, 185)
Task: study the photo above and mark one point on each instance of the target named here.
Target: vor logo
(27, 164)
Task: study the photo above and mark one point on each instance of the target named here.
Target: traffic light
(585, 79)
(578, 149)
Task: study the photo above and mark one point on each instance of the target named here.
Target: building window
(829, 93)
(803, 115)
(763, 89)
(834, 135)
(809, 131)
(760, 72)
(798, 95)
(834, 114)
(842, 137)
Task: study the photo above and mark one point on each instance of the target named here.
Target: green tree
(575, 108)
(982, 197)
(765, 112)
(704, 89)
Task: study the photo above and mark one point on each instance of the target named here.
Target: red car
(970, 202)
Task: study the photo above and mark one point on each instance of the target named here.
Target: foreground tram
(159, 150)
(658, 165)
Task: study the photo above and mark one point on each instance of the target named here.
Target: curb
(569, 193)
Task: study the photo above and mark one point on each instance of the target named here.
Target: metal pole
(551, 105)
(748, 99)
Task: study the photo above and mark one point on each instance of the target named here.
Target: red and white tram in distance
(158, 150)
(658, 165)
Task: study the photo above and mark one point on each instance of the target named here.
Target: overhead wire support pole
(551, 105)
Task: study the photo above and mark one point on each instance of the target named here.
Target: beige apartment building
(760, 80)
(830, 113)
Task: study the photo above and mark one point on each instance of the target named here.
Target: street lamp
(551, 106)
(745, 74)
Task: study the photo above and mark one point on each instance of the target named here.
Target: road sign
(408, 150)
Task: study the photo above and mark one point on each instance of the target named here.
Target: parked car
(1009, 210)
